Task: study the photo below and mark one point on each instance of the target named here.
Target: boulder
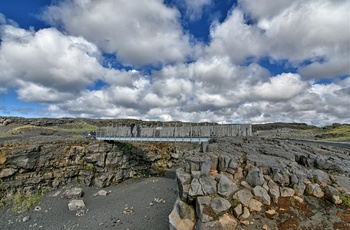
(75, 205)
(102, 193)
(244, 196)
(225, 186)
(246, 185)
(315, 190)
(255, 205)
(332, 194)
(299, 188)
(238, 210)
(227, 222)
(287, 192)
(203, 209)
(245, 214)
(103, 180)
(255, 177)
(280, 177)
(321, 177)
(183, 180)
(208, 185)
(261, 194)
(224, 162)
(205, 168)
(195, 188)
(182, 216)
(220, 205)
(274, 191)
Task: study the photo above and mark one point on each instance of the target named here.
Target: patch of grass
(335, 133)
(346, 200)
(77, 128)
(235, 202)
(313, 179)
(23, 202)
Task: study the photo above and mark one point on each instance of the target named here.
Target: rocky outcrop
(239, 178)
(29, 167)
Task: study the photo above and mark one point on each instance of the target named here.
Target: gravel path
(142, 199)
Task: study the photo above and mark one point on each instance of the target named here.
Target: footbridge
(183, 133)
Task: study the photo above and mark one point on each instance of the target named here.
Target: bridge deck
(156, 139)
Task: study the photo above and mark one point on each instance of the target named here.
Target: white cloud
(32, 92)
(139, 32)
(60, 70)
(280, 87)
(47, 65)
(236, 39)
(301, 32)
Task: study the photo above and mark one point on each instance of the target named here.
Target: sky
(244, 61)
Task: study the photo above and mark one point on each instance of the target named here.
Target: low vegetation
(23, 202)
(335, 133)
(72, 129)
(346, 200)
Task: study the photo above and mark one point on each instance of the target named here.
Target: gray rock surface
(261, 194)
(75, 205)
(255, 177)
(225, 185)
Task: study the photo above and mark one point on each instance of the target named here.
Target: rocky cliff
(30, 167)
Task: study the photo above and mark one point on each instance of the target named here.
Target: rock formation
(238, 179)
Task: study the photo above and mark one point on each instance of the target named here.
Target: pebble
(271, 212)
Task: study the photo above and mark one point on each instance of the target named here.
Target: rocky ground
(134, 204)
(285, 165)
(259, 183)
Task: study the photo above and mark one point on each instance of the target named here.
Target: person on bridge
(138, 129)
(132, 125)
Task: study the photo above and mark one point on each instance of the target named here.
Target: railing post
(175, 132)
(182, 132)
(191, 132)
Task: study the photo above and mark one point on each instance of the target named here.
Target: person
(138, 131)
(132, 125)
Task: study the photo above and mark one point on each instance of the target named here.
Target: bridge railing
(173, 133)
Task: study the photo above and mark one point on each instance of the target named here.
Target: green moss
(313, 179)
(23, 202)
(346, 200)
(235, 202)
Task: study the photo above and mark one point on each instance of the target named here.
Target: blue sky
(245, 61)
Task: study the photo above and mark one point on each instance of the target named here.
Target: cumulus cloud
(138, 32)
(312, 35)
(280, 87)
(64, 70)
(46, 65)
